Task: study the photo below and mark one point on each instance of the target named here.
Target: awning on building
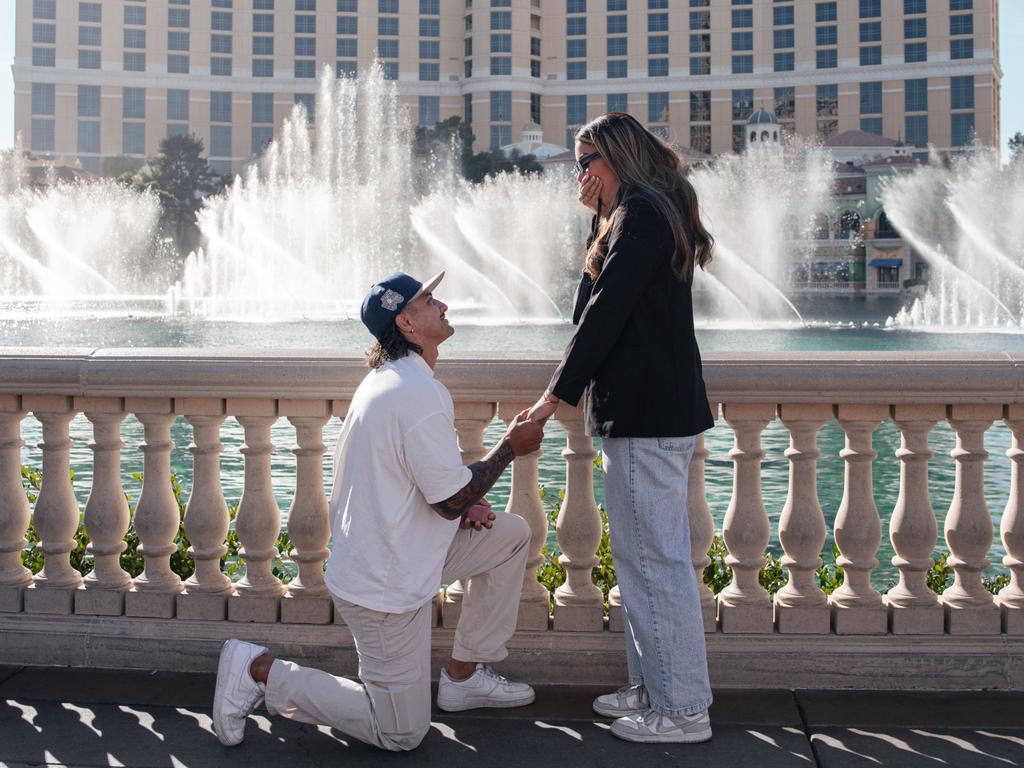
(885, 263)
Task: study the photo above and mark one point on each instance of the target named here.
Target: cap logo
(391, 299)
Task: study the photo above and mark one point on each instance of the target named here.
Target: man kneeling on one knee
(403, 510)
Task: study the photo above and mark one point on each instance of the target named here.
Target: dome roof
(762, 117)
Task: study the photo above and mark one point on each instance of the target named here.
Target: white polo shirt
(397, 454)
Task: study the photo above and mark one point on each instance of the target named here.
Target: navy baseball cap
(389, 297)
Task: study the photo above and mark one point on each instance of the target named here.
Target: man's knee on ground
(407, 740)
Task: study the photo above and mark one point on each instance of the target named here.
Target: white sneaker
(484, 688)
(628, 700)
(650, 726)
(237, 694)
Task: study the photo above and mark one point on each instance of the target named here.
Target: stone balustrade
(57, 616)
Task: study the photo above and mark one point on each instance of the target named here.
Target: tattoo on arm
(485, 473)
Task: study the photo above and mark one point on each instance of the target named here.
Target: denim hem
(693, 709)
(461, 653)
(636, 681)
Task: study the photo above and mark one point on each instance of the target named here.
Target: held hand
(478, 516)
(524, 435)
(543, 409)
(590, 192)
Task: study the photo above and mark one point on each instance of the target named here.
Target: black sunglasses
(584, 162)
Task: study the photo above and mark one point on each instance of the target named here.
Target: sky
(1011, 32)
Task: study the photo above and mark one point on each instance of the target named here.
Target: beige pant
(390, 706)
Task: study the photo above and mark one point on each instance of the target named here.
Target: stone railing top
(777, 377)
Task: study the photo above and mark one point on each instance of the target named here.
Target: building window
(42, 135)
(220, 106)
(961, 5)
(431, 71)
(574, 25)
(785, 102)
(742, 17)
(221, 21)
(657, 107)
(742, 103)
(220, 141)
(534, 46)
(742, 65)
(700, 65)
(574, 48)
(387, 49)
(305, 25)
(782, 16)
(827, 129)
(915, 95)
(430, 27)
(220, 43)
(348, 6)
(134, 62)
(738, 137)
(91, 13)
(345, 69)
(263, 108)
(700, 138)
(88, 101)
(657, 67)
(133, 138)
(914, 6)
(44, 57)
(347, 25)
(618, 102)
(305, 68)
(963, 129)
(44, 97)
(617, 68)
(262, 22)
(535, 108)
(871, 32)
(915, 28)
(134, 38)
(962, 92)
(743, 41)
(871, 98)
(308, 102)
(700, 20)
(826, 35)
(88, 59)
(44, 9)
(825, 11)
(826, 59)
(179, 18)
(915, 52)
(700, 43)
(177, 104)
(870, 55)
(917, 130)
(262, 67)
(91, 36)
(871, 125)
(784, 62)
(534, 68)
(576, 110)
(177, 64)
(700, 106)
(430, 7)
(429, 49)
(616, 5)
(305, 5)
(827, 104)
(44, 33)
(178, 41)
(262, 135)
(304, 46)
(783, 38)
(961, 49)
(657, 22)
(501, 106)
(263, 46)
(387, 26)
(501, 136)
(870, 9)
(89, 136)
(390, 70)
(429, 111)
(220, 67)
(618, 46)
(617, 24)
(503, 20)
(575, 6)
(961, 25)
(135, 15)
(576, 70)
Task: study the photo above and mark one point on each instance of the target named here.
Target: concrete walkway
(81, 717)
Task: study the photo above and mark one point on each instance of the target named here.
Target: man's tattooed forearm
(485, 473)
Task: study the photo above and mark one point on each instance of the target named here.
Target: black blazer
(634, 353)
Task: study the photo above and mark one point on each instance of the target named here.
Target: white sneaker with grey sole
(237, 694)
(628, 700)
(650, 726)
(484, 688)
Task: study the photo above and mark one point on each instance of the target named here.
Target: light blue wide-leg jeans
(645, 495)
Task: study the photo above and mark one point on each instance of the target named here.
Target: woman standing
(634, 355)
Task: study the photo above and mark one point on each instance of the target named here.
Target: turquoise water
(829, 329)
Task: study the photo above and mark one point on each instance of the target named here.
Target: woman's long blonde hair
(649, 168)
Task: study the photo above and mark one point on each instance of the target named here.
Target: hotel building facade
(99, 80)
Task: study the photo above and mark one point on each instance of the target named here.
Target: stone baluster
(56, 515)
(857, 607)
(579, 604)
(801, 607)
(913, 608)
(523, 500)
(157, 516)
(471, 419)
(14, 508)
(259, 518)
(1011, 529)
(307, 599)
(744, 605)
(206, 592)
(970, 608)
(106, 512)
(702, 529)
